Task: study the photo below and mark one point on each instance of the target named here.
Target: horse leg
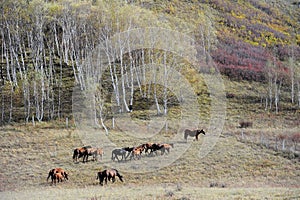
(86, 157)
(163, 151)
(156, 152)
(117, 158)
(113, 179)
(124, 156)
(113, 156)
(54, 179)
(49, 175)
(185, 136)
(151, 152)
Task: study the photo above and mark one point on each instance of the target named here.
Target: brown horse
(109, 174)
(79, 152)
(137, 152)
(194, 133)
(57, 177)
(52, 173)
(92, 152)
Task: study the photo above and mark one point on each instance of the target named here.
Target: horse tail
(185, 135)
(119, 175)
(49, 175)
(112, 155)
(97, 176)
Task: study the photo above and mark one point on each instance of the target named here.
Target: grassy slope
(29, 152)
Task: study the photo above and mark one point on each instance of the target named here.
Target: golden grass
(29, 153)
(161, 191)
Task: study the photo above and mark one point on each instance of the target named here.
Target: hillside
(46, 44)
(248, 32)
(115, 73)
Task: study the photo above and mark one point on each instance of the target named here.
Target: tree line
(48, 48)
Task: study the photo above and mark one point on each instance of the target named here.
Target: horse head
(201, 131)
(101, 176)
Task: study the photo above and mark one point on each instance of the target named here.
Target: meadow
(234, 169)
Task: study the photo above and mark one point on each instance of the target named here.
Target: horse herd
(149, 149)
(136, 152)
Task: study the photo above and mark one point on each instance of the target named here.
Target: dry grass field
(239, 166)
(232, 170)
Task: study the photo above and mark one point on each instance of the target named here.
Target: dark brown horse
(193, 133)
(109, 174)
(53, 174)
(153, 147)
(79, 152)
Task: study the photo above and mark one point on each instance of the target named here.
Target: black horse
(153, 147)
(118, 152)
(194, 133)
(109, 174)
(123, 152)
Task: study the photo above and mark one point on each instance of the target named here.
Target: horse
(52, 173)
(58, 177)
(100, 153)
(166, 147)
(153, 147)
(129, 150)
(92, 152)
(194, 133)
(137, 152)
(148, 146)
(109, 174)
(79, 152)
(118, 152)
